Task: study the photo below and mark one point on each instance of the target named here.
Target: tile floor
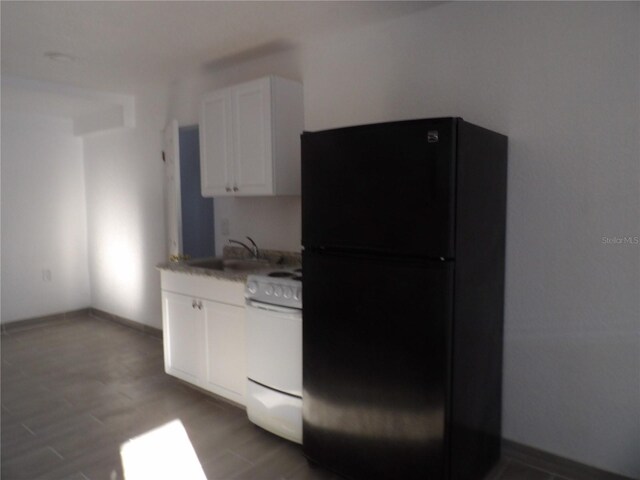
(75, 390)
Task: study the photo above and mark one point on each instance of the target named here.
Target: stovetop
(295, 274)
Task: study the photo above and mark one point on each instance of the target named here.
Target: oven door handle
(293, 312)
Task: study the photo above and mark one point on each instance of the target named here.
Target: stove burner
(281, 274)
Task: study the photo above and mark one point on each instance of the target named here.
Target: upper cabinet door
(216, 144)
(250, 139)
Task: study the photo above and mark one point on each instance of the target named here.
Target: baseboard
(36, 322)
(208, 393)
(28, 323)
(97, 313)
(554, 464)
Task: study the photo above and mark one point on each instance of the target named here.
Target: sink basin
(229, 264)
(244, 265)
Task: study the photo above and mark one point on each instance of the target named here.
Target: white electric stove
(274, 352)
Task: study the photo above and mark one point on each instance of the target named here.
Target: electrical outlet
(224, 227)
(46, 275)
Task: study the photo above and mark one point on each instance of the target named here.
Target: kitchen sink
(229, 264)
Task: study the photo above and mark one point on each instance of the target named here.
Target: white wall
(562, 81)
(126, 233)
(43, 217)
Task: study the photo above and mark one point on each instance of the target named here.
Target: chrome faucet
(253, 249)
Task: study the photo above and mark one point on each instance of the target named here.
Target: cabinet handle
(235, 188)
(199, 305)
(228, 189)
(194, 304)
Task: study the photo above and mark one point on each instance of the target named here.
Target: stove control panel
(281, 291)
(252, 287)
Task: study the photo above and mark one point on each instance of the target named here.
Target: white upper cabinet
(253, 173)
(216, 142)
(250, 139)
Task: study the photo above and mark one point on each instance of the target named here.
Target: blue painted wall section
(197, 212)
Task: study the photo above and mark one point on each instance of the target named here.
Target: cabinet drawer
(209, 288)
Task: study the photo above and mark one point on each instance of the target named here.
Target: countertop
(277, 259)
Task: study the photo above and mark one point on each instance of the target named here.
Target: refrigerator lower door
(375, 349)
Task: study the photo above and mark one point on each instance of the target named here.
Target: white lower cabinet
(225, 352)
(183, 329)
(204, 338)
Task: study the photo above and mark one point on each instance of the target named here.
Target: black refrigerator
(403, 233)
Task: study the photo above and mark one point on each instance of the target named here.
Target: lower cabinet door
(225, 350)
(183, 325)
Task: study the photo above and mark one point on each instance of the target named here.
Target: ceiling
(122, 46)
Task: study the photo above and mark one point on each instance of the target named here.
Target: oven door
(274, 347)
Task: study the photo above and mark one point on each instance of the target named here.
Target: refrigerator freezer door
(375, 349)
(386, 187)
